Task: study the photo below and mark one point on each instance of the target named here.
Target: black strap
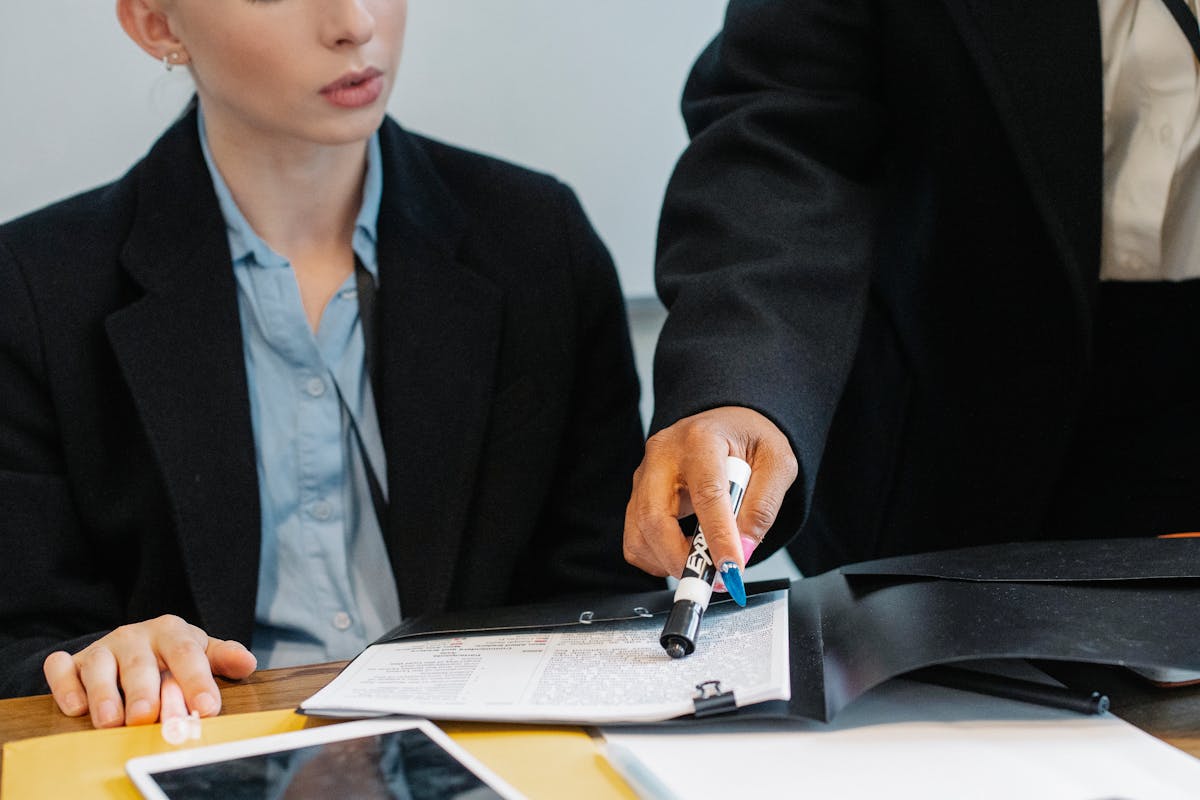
(1186, 20)
(366, 315)
(373, 485)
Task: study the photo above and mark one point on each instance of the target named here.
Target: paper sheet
(907, 740)
(610, 672)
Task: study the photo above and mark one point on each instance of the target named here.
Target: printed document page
(913, 741)
(586, 674)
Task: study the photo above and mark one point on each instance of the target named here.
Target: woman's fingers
(119, 678)
(63, 677)
(98, 672)
(138, 674)
(183, 649)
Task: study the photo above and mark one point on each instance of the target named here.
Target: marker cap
(681, 629)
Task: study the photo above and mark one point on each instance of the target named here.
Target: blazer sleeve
(51, 595)
(767, 229)
(579, 536)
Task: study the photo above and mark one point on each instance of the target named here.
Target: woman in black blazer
(130, 463)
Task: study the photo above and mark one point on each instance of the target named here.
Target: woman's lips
(355, 89)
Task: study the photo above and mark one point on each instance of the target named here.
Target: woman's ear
(146, 22)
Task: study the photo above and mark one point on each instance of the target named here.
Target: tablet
(385, 758)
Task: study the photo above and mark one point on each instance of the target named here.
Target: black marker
(695, 584)
(1041, 694)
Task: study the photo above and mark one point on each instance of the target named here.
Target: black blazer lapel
(439, 330)
(180, 350)
(1042, 65)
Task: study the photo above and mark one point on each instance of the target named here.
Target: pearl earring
(169, 60)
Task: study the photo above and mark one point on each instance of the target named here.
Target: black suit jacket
(885, 236)
(127, 468)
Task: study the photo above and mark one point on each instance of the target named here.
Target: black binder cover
(1120, 601)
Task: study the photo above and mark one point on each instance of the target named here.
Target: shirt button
(341, 620)
(322, 510)
(315, 386)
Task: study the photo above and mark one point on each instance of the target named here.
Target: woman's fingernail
(205, 703)
(74, 704)
(748, 547)
(733, 582)
(139, 710)
(107, 713)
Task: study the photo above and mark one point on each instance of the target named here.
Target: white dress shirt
(1151, 227)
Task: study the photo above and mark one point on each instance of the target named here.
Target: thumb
(230, 659)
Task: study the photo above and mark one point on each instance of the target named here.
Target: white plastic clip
(178, 730)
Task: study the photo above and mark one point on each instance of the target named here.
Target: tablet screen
(393, 764)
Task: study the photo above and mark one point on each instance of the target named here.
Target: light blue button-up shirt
(325, 586)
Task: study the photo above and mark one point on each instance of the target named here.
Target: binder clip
(710, 700)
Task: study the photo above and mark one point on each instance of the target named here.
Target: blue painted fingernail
(733, 582)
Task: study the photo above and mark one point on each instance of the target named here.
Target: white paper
(606, 672)
(912, 741)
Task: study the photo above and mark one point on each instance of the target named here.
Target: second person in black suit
(882, 258)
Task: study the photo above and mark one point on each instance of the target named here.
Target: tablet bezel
(141, 770)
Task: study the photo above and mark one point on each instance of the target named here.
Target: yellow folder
(540, 762)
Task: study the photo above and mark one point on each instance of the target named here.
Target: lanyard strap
(378, 501)
(1186, 19)
(365, 283)
(366, 315)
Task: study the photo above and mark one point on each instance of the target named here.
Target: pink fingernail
(748, 547)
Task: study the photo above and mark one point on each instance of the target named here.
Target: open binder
(1125, 602)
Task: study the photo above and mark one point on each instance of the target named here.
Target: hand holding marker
(696, 583)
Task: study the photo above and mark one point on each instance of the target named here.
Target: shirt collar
(246, 246)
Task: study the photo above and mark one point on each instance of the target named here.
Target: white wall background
(585, 89)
